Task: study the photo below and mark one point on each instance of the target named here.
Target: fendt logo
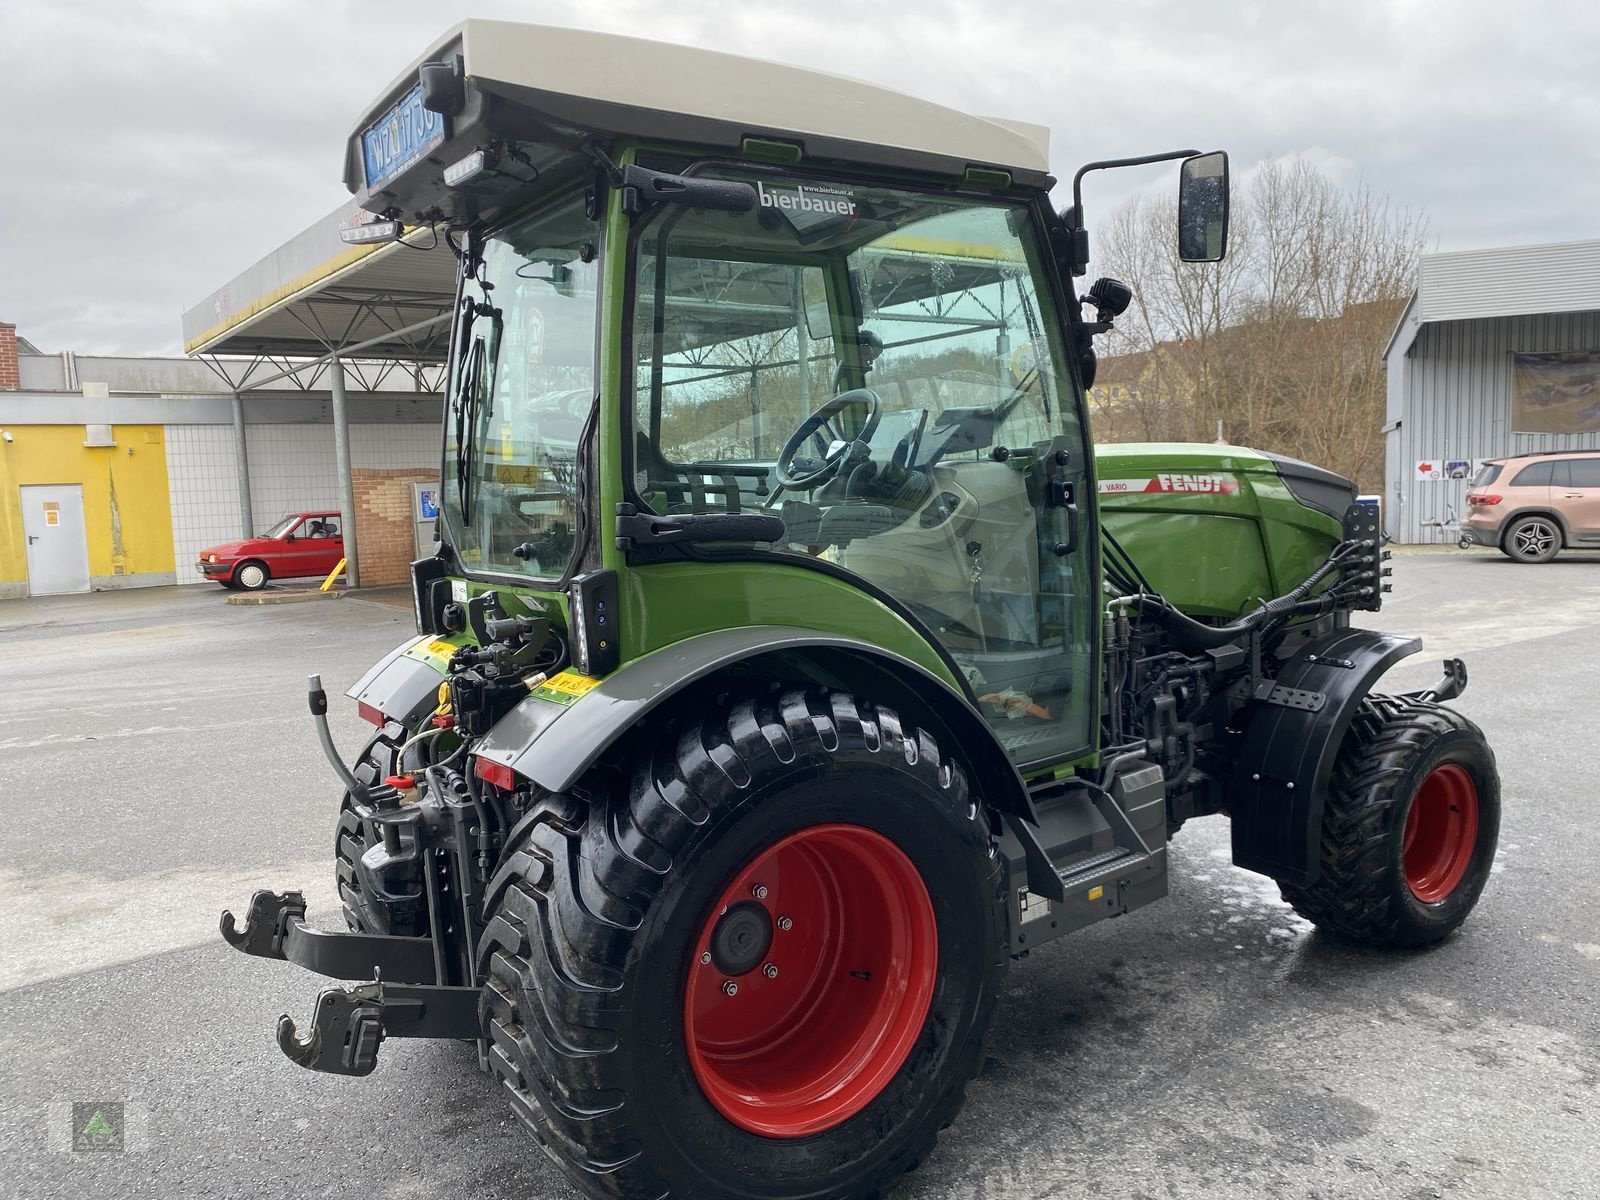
(1206, 485)
(813, 200)
(1219, 484)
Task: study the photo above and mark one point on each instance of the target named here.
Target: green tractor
(790, 662)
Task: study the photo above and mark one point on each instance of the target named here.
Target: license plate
(400, 137)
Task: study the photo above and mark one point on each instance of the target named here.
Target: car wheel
(1533, 540)
(252, 576)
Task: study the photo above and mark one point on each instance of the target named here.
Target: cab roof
(560, 86)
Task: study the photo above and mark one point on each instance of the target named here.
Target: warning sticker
(566, 688)
(1208, 485)
(52, 517)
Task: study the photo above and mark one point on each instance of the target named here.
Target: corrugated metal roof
(1510, 281)
(1504, 281)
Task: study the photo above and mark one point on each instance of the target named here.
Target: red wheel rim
(811, 1033)
(1441, 833)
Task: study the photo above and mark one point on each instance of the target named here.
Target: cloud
(156, 149)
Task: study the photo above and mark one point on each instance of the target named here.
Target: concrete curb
(294, 597)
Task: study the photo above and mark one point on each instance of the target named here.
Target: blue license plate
(399, 138)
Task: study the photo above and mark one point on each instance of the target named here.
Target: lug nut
(705, 957)
(730, 988)
(770, 971)
(785, 924)
(759, 891)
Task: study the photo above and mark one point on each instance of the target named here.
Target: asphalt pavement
(157, 764)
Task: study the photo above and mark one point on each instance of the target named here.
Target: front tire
(1409, 826)
(761, 961)
(251, 576)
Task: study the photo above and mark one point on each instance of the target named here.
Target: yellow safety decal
(565, 688)
(1096, 892)
(444, 648)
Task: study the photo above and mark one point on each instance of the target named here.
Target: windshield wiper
(468, 397)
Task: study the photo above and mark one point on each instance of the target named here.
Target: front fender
(1286, 760)
(554, 744)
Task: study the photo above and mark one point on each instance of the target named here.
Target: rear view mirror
(1203, 208)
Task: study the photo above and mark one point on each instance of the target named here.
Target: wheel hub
(1441, 833)
(836, 957)
(741, 939)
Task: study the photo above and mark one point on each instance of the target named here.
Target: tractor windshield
(521, 386)
(882, 368)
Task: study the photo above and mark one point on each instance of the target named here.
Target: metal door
(58, 547)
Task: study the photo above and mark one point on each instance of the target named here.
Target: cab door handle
(1065, 548)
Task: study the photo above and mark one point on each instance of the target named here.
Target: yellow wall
(133, 472)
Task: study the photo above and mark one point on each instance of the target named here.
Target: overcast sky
(152, 149)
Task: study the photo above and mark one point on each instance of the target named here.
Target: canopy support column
(341, 456)
(241, 462)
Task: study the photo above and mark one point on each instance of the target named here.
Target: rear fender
(582, 732)
(1286, 760)
(404, 684)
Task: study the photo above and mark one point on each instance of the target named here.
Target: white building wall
(205, 492)
(292, 467)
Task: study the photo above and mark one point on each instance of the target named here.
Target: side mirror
(288, 537)
(1203, 207)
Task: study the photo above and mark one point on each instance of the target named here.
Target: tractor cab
(769, 344)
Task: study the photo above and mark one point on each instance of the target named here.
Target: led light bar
(467, 168)
(372, 231)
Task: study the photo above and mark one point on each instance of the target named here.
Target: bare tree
(1282, 342)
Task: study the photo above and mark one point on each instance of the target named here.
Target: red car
(304, 543)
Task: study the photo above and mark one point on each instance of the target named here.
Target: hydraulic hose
(319, 714)
(1186, 631)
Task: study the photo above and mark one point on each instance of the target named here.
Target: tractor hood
(1218, 529)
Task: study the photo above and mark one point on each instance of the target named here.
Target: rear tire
(1532, 540)
(604, 1011)
(1409, 827)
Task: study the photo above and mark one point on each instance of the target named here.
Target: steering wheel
(824, 427)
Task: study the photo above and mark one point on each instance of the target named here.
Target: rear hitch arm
(1448, 688)
(349, 1024)
(275, 927)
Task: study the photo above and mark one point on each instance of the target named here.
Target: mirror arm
(1078, 251)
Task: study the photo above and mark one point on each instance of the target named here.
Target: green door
(949, 475)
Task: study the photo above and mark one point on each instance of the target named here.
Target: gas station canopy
(315, 296)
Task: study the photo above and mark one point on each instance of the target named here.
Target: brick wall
(10, 380)
(385, 540)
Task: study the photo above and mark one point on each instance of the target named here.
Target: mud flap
(1282, 771)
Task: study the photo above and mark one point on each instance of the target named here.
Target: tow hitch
(348, 1024)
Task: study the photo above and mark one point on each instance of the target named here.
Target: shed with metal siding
(1450, 368)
